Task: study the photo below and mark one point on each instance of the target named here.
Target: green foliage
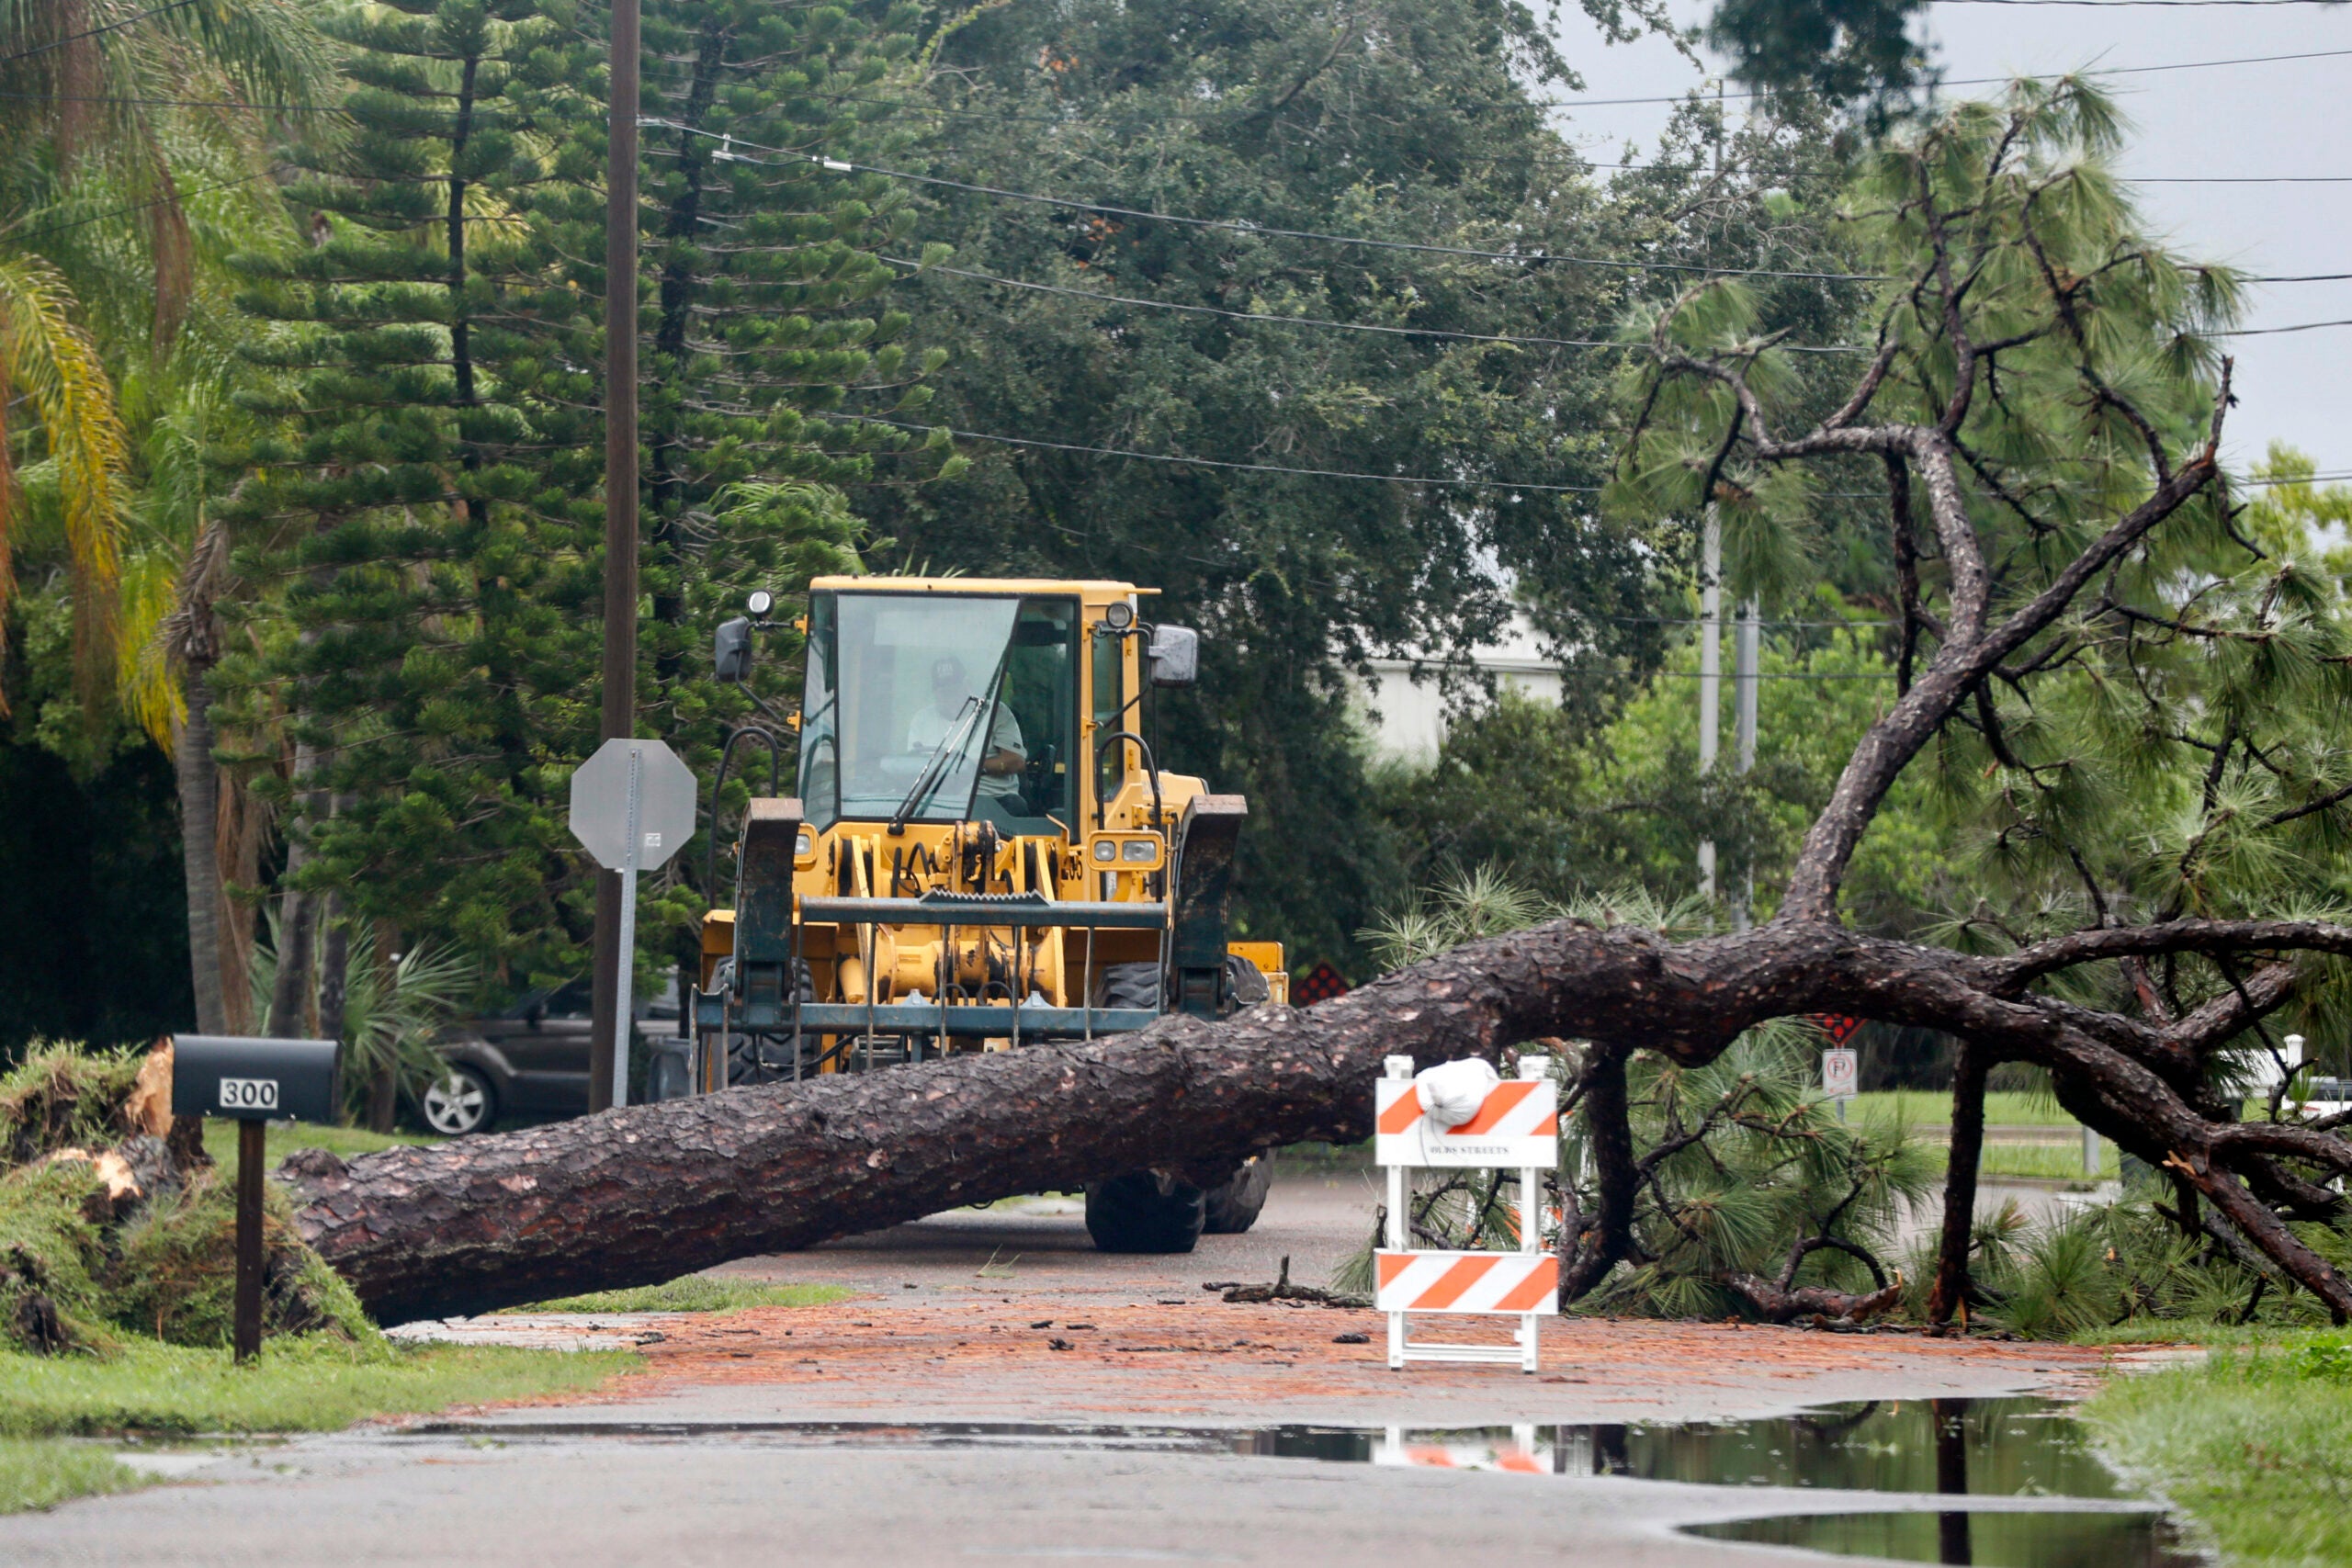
(1523, 785)
(1772, 1168)
(393, 1011)
(310, 1384)
(1411, 123)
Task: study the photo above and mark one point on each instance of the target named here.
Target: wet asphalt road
(722, 1481)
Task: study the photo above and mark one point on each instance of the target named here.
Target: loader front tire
(743, 1064)
(1142, 1210)
(1234, 1207)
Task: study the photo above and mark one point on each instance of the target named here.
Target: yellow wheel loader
(982, 852)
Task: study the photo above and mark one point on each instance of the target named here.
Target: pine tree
(418, 636)
(767, 344)
(432, 508)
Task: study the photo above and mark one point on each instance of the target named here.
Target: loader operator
(951, 689)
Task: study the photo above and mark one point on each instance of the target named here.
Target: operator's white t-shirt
(930, 728)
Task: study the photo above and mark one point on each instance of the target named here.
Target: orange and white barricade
(1517, 1127)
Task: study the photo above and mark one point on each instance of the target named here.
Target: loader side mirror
(730, 650)
(1174, 654)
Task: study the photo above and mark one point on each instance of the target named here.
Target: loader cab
(941, 707)
(980, 848)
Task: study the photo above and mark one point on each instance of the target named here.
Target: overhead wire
(95, 32)
(138, 206)
(1100, 298)
(1457, 481)
(839, 165)
(1695, 96)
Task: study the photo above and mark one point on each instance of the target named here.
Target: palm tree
(133, 158)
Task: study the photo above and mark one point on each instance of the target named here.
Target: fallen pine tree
(2045, 414)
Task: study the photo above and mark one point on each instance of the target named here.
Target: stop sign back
(665, 805)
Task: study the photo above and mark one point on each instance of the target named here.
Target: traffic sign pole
(632, 808)
(626, 974)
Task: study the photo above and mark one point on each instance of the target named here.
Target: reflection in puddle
(1998, 1447)
(2037, 1540)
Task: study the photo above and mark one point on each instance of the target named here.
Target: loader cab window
(1109, 715)
(1040, 693)
(946, 707)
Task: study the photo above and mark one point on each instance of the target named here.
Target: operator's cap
(946, 667)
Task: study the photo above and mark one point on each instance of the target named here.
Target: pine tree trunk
(199, 782)
(1952, 1286)
(334, 963)
(289, 999)
(384, 1096)
(648, 1192)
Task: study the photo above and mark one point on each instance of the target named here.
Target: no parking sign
(1840, 1067)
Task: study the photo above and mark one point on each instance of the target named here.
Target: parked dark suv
(529, 1062)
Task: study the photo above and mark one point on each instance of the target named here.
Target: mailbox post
(253, 1082)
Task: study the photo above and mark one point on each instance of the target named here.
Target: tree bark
(1952, 1286)
(198, 779)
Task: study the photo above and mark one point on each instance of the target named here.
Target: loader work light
(1128, 852)
(1118, 615)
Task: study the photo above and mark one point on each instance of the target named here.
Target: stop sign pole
(625, 972)
(633, 808)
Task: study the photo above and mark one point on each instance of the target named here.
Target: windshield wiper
(924, 782)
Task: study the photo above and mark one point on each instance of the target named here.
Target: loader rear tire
(1234, 1207)
(1131, 986)
(1142, 1210)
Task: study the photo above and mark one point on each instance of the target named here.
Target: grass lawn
(306, 1385)
(2050, 1163)
(284, 1137)
(696, 1293)
(303, 1385)
(2256, 1446)
(1932, 1108)
(36, 1473)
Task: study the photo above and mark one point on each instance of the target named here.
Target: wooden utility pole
(619, 718)
(1711, 673)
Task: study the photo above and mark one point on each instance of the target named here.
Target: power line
(176, 103)
(1695, 96)
(2266, 331)
(1525, 257)
(141, 206)
(1456, 483)
(1310, 321)
(2111, 5)
(94, 33)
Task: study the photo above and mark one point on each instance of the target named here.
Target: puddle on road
(2002, 1447)
(2015, 1447)
(2039, 1539)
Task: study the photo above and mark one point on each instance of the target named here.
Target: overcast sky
(2233, 120)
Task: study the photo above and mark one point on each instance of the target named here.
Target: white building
(1407, 718)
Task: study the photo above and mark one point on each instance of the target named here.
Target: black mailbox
(252, 1079)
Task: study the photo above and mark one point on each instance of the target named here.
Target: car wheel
(1233, 1208)
(1143, 1211)
(460, 1103)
